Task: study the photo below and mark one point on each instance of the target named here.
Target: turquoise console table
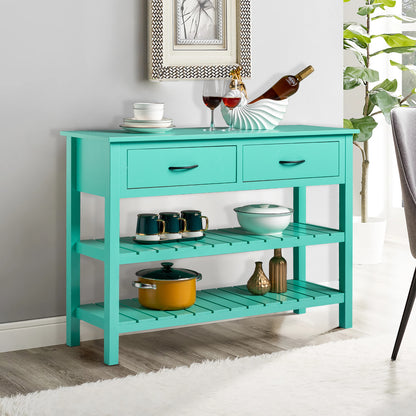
(116, 165)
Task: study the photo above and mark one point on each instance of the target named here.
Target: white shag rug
(354, 378)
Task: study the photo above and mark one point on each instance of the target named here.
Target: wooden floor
(379, 295)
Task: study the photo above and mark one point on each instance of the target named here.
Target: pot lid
(264, 209)
(168, 273)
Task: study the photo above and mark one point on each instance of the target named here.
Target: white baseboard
(41, 333)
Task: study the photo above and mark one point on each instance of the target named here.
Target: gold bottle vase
(258, 284)
(278, 272)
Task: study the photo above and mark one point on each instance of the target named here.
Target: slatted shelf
(215, 305)
(222, 241)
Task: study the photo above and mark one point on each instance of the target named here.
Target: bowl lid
(168, 273)
(264, 209)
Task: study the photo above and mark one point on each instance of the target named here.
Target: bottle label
(292, 81)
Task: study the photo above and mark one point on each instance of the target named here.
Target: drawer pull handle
(183, 167)
(291, 162)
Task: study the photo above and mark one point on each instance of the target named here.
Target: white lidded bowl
(264, 218)
(148, 111)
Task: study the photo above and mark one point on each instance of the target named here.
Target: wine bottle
(286, 86)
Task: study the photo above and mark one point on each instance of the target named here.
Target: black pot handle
(292, 162)
(183, 167)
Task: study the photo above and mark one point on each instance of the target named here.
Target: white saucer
(148, 237)
(146, 126)
(165, 122)
(170, 236)
(146, 129)
(189, 234)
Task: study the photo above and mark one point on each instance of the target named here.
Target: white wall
(80, 64)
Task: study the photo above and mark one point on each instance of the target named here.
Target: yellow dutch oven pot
(167, 289)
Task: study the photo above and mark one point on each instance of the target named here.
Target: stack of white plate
(148, 118)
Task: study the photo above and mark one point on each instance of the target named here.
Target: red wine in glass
(211, 95)
(212, 102)
(231, 102)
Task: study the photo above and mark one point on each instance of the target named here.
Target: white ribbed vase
(262, 115)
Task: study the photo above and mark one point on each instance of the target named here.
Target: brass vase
(278, 272)
(258, 284)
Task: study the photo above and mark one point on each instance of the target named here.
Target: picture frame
(194, 39)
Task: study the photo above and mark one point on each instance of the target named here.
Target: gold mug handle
(163, 226)
(184, 224)
(206, 225)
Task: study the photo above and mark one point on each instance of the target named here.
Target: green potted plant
(378, 98)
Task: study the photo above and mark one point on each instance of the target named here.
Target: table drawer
(148, 168)
(290, 161)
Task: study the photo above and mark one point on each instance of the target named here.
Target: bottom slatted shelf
(215, 305)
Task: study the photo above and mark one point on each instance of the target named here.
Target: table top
(176, 134)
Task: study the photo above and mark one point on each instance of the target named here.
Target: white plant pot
(368, 240)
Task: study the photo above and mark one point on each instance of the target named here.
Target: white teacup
(148, 111)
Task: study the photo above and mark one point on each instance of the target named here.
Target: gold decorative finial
(236, 81)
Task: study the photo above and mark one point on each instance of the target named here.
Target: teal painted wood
(215, 305)
(98, 163)
(299, 253)
(72, 237)
(345, 248)
(148, 168)
(312, 286)
(216, 242)
(229, 187)
(112, 255)
(91, 313)
(314, 160)
(91, 173)
(194, 134)
(163, 182)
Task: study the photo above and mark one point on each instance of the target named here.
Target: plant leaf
(388, 3)
(355, 76)
(362, 59)
(366, 125)
(358, 38)
(410, 68)
(403, 49)
(396, 39)
(370, 8)
(404, 19)
(370, 108)
(384, 100)
(357, 27)
(365, 10)
(347, 122)
(387, 85)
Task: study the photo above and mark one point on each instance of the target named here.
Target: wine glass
(231, 100)
(211, 95)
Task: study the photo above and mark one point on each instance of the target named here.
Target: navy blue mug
(149, 224)
(194, 220)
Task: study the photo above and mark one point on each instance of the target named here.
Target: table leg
(112, 258)
(73, 201)
(111, 312)
(299, 253)
(345, 257)
(345, 248)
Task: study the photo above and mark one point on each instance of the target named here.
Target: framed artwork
(198, 39)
